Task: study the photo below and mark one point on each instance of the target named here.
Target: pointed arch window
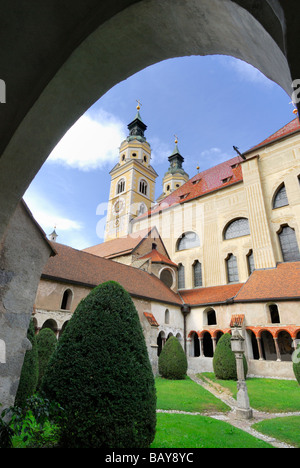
(280, 197)
(181, 276)
(250, 262)
(197, 274)
(237, 228)
(289, 245)
(232, 269)
(121, 186)
(143, 187)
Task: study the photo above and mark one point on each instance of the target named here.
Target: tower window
(143, 187)
(121, 186)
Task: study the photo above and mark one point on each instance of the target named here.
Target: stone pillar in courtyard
(243, 410)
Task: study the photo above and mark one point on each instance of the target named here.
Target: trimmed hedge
(29, 374)
(46, 344)
(172, 361)
(296, 363)
(101, 375)
(224, 363)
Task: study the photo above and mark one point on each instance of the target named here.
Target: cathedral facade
(215, 251)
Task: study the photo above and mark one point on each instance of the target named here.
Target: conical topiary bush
(296, 363)
(172, 362)
(30, 370)
(46, 344)
(224, 363)
(101, 375)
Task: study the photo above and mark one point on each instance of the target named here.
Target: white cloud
(160, 151)
(247, 72)
(47, 215)
(90, 143)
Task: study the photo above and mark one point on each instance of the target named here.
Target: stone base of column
(243, 413)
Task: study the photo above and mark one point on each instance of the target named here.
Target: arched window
(211, 317)
(232, 269)
(197, 274)
(289, 244)
(274, 313)
(250, 262)
(188, 240)
(121, 186)
(237, 228)
(66, 300)
(167, 316)
(181, 277)
(280, 197)
(143, 187)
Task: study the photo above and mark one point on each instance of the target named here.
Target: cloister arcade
(262, 343)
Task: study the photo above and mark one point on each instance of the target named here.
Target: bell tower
(175, 175)
(132, 189)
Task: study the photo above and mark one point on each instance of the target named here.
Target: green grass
(186, 395)
(285, 429)
(269, 395)
(191, 431)
(195, 431)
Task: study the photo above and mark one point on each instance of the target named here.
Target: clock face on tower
(118, 206)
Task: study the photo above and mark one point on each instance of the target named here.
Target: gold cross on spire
(176, 139)
(139, 104)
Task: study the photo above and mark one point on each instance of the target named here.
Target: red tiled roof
(288, 129)
(157, 257)
(76, 266)
(211, 295)
(120, 246)
(282, 282)
(215, 178)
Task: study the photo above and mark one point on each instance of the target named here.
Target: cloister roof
(82, 268)
(280, 283)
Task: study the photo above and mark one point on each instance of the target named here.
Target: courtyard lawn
(193, 431)
(186, 395)
(269, 395)
(285, 429)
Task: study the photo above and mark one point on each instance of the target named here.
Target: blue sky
(211, 103)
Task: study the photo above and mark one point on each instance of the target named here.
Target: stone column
(277, 349)
(258, 339)
(243, 410)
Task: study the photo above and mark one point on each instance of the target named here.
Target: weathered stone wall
(24, 252)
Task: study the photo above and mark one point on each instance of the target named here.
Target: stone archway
(56, 71)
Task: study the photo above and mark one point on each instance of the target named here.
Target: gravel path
(230, 417)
